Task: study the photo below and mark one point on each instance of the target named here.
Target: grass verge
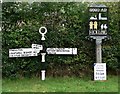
(65, 84)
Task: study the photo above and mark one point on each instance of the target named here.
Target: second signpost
(98, 28)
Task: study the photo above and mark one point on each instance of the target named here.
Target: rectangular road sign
(99, 71)
(37, 46)
(23, 52)
(62, 51)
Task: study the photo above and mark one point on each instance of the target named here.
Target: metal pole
(98, 51)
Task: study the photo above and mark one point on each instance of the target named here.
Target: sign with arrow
(37, 46)
(62, 51)
(23, 52)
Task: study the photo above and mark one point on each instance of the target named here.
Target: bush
(66, 24)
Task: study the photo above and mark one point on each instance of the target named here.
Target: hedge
(67, 27)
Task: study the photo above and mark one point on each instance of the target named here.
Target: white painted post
(43, 54)
(43, 71)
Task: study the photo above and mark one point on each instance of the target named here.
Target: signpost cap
(40, 30)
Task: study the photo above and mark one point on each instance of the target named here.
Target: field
(60, 84)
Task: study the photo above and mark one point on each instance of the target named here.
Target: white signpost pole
(43, 54)
(57, 51)
(43, 60)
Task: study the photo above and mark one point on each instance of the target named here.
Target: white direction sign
(23, 52)
(62, 51)
(37, 46)
(99, 71)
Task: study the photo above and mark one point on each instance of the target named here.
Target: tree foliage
(67, 27)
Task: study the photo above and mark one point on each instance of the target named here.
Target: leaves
(67, 27)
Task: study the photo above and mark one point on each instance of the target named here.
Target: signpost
(35, 50)
(98, 28)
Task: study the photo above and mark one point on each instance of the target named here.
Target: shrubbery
(67, 27)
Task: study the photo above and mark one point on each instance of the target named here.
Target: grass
(65, 84)
(0, 86)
